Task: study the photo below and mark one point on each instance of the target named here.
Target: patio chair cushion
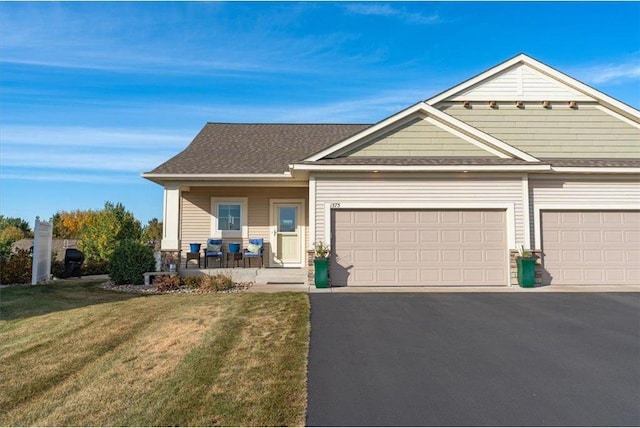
(214, 248)
(254, 248)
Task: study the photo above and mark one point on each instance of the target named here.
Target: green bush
(92, 267)
(16, 269)
(57, 268)
(129, 262)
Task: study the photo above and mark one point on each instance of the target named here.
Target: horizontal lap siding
(586, 191)
(559, 132)
(195, 222)
(378, 189)
(521, 83)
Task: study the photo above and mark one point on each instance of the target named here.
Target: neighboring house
(58, 246)
(439, 194)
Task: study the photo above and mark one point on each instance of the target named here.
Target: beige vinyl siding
(558, 132)
(386, 190)
(195, 219)
(520, 83)
(585, 192)
(419, 138)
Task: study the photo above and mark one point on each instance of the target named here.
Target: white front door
(287, 233)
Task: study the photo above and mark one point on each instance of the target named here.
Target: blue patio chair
(213, 249)
(254, 250)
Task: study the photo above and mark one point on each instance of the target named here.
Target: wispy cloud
(382, 9)
(49, 176)
(624, 70)
(68, 36)
(107, 138)
(81, 154)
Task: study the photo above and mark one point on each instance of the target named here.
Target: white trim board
(243, 233)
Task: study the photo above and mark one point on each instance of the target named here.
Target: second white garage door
(591, 247)
(419, 247)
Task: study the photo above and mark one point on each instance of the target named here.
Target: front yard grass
(74, 354)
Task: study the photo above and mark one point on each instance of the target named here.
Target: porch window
(229, 218)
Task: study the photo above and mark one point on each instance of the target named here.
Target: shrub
(167, 282)
(192, 282)
(57, 268)
(219, 282)
(92, 267)
(16, 269)
(129, 262)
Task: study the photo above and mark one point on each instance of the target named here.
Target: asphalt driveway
(474, 359)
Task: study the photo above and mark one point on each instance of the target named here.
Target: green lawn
(74, 354)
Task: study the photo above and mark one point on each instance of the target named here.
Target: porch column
(171, 219)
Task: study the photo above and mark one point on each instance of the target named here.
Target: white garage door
(591, 247)
(419, 247)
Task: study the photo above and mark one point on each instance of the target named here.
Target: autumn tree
(102, 232)
(69, 224)
(21, 224)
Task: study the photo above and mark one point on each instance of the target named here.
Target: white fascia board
(216, 176)
(483, 136)
(162, 178)
(544, 69)
(475, 80)
(596, 170)
(421, 168)
(372, 129)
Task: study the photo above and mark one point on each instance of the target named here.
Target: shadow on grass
(28, 301)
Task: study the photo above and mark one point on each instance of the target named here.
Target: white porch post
(171, 220)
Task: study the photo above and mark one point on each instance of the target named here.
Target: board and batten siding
(418, 138)
(558, 132)
(581, 193)
(423, 191)
(521, 83)
(195, 219)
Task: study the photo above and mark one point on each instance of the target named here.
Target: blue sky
(93, 94)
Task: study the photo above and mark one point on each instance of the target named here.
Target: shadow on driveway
(476, 359)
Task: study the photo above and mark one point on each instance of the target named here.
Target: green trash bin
(526, 272)
(321, 272)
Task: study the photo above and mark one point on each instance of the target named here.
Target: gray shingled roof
(261, 148)
(254, 148)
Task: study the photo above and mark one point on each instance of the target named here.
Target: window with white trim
(229, 217)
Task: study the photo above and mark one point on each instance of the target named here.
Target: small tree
(69, 224)
(21, 224)
(101, 233)
(130, 261)
(152, 231)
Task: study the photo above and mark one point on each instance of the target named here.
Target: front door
(287, 233)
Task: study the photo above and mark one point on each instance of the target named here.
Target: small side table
(236, 257)
(192, 256)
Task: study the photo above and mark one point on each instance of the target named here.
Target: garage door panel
(591, 247)
(422, 247)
